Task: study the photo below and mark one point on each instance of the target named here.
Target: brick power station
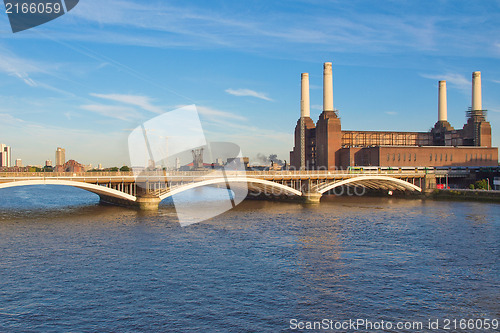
(325, 145)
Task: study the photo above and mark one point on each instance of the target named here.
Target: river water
(69, 264)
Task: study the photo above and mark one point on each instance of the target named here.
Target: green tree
(124, 168)
(481, 184)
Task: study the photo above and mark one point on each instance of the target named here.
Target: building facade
(325, 145)
(70, 166)
(5, 155)
(60, 156)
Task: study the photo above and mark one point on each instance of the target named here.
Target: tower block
(328, 129)
(303, 155)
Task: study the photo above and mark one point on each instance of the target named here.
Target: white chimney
(305, 110)
(327, 87)
(442, 103)
(477, 103)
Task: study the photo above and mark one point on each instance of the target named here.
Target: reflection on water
(69, 264)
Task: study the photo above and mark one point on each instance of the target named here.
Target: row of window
(438, 157)
(404, 157)
(471, 157)
(441, 157)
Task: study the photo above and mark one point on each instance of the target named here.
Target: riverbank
(465, 194)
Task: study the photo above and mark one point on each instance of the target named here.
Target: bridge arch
(375, 181)
(97, 189)
(230, 180)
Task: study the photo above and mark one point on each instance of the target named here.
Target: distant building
(244, 161)
(99, 166)
(60, 156)
(5, 155)
(48, 163)
(70, 166)
(325, 145)
(19, 163)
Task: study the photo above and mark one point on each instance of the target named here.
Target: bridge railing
(210, 173)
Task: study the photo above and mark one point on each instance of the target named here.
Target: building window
(446, 157)
(399, 157)
(451, 157)
(435, 157)
(388, 156)
(491, 158)
(481, 157)
(441, 159)
(404, 157)
(393, 157)
(430, 157)
(476, 157)
(415, 157)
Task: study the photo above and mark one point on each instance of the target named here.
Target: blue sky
(83, 81)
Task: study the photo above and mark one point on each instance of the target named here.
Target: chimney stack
(305, 111)
(327, 87)
(477, 103)
(442, 103)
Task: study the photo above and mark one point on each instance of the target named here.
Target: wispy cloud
(391, 113)
(217, 114)
(143, 102)
(457, 80)
(389, 29)
(113, 111)
(10, 119)
(248, 92)
(19, 67)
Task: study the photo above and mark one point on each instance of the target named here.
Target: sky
(84, 81)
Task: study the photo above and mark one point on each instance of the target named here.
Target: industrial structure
(325, 146)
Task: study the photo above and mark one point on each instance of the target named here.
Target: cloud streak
(142, 102)
(217, 114)
(248, 92)
(455, 79)
(388, 29)
(113, 111)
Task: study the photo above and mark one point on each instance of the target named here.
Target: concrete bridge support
(142, 202)
(429, 183)
(148, 203)
(312, 197)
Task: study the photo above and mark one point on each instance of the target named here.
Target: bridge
(147, 190)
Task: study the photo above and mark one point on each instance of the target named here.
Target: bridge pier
(429, 183)
(147, 203)
(311, 197)
(143, 202)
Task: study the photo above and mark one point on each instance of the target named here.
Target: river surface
(69, 264)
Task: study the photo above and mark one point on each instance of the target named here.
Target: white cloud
(217, 114)
(455, 79)
(113, 111)
(143, 102)
(10, 119)
(248, 92)
(391, 113)
(19, 67)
